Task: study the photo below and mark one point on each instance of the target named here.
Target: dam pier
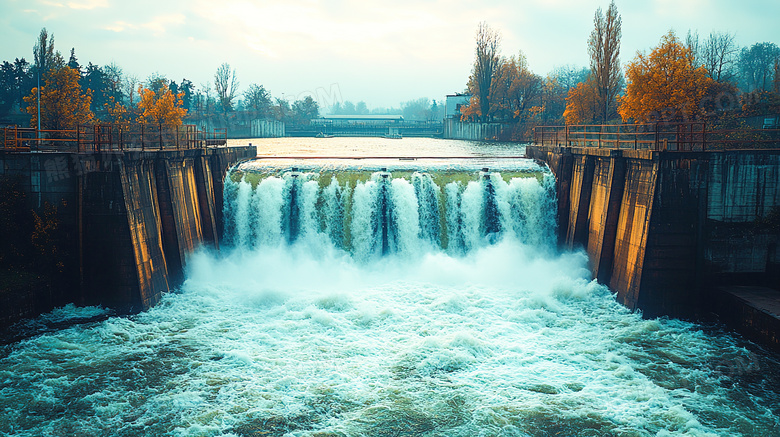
(128, 207)
(674, 223)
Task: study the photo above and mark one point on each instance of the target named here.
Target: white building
(453, 104)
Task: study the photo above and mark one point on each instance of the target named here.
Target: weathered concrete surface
(635, 211)
(662, 229)
(754, 311)
(139, 192)
(108, 276)
(267, 129)
(579, 192)
(204, 181)
(673, 280)
(187, 215)
(170, 221)
(129, 219)
(604, 210)
(458, 130)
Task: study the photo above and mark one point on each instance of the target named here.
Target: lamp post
(39, 106)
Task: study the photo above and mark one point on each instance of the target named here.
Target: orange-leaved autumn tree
(63, 104)
(162, 107)
(665, 85)
(582, 103)
(116, 112)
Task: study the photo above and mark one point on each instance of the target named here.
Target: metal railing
(110, 138)
(682, 137)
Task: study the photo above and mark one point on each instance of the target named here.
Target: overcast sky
(382, 53)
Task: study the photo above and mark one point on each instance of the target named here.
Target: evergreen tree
(73, 62)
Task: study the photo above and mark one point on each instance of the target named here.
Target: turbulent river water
(386, 298)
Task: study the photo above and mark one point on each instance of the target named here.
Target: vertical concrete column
(563, 181)
(205, 188)
(608, 184)
(185, 205)
(170, 236)
(581, 186)
(143, 216)
(633, 233)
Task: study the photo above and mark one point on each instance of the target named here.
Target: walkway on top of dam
(667, 136)
(100, 138)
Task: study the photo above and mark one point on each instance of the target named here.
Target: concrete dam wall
(130, 219)
(665, 229)
(458, 130)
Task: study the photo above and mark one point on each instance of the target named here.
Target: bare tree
(719, 56)
(130, 88)
(485, 65)
(206, 88)
(604, 51)
(693, 44)
(226, 86)
(777, 75)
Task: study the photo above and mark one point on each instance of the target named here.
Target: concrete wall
(267, 129)
(743, 210)
(140, 194)
(663, 228)
(458, 130)
(171, 205)
(129, 221)
(45, 179)
(635, 210)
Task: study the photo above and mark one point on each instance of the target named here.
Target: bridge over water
(367, 126)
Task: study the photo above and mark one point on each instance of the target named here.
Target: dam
(413, 296)
(120, 212)
(675, 227)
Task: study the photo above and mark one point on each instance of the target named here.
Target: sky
(383, 53)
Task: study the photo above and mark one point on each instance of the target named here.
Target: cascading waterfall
(491, 220)
(292, 209)
(427, 193)
(385, 212)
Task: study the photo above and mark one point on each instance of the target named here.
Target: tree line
(708, 79)
(72, 93)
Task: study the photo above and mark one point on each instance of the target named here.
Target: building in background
(453, 104)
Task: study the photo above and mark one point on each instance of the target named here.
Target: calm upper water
(427, 300)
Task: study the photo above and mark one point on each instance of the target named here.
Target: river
(386, 297)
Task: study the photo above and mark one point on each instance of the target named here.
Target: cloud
(158, 25)
(88, 4)
(52, 3)
(120, 26)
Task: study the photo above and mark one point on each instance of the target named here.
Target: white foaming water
(325, 335)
